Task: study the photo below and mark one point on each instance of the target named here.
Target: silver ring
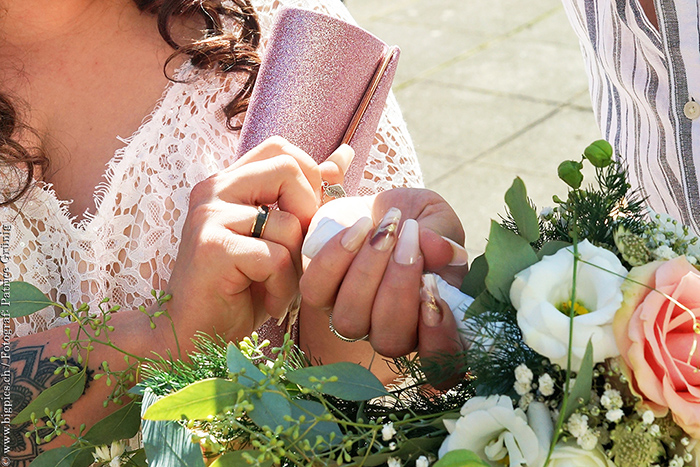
(340, 336)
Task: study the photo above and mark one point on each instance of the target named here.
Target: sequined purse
(322, 82)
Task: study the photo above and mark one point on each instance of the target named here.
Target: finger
(268, 264)
(323, 276)
(395, 312)
(444, 256)
(277, 146)
(438, 338)
(333, 169)
(276, 180)
(353, 306)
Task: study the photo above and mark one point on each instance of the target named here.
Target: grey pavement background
(490, 90)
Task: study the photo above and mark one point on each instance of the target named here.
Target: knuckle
(275, 141)
(393, 347)
(201, 191)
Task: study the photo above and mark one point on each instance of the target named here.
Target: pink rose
(660, 341)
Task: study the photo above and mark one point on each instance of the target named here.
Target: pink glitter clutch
(322, 82)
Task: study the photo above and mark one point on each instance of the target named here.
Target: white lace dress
(128, 246)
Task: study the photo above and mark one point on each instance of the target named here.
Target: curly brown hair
(229, 49)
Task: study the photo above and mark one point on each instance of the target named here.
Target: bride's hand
(225, 280)
(369, 275)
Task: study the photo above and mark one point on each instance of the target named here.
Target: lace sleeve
(392, 161)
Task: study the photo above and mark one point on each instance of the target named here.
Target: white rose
(540, 291)
(495, 431)
(566, 455)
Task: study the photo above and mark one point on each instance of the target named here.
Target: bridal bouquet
(584, 334)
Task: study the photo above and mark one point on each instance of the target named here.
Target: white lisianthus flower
(503, 433)
(541, 294)
(567, 455)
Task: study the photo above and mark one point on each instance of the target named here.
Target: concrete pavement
(490, 89)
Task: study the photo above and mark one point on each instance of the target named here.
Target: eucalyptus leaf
(168, 443)
(122, 424)
(196, 401)
(580, 394)
(270, 409)
(313, 410)
(474, 282)
(552, 247)
(523, 213)
(55, 397)
(238, 364)
(26, 299)
(507, 254)
(65, 457)
(137, 458)
(236, 459)
(354, 382)
(461, 458)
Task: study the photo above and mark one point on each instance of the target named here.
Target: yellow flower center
(579, 309)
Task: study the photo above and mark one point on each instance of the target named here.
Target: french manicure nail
(460, 257)
(384, 236)
(429, 295)
(407, 247)
(355, 235)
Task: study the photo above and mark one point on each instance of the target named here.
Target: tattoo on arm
(30, 373)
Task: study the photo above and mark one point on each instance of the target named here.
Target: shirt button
(691, 109)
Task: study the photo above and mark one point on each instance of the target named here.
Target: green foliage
(55, 397)
(26, 299)
(65, 457)
(581, 391)
(208, 360)
(168, 443)
(122, 424)
(570, 173)
(461, 458)
(474, 282)
(196, 401)
(522, 212)
(343, 380)
(507, 254)
(596, 212)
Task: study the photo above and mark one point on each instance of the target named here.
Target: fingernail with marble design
(384, 237)
(429, 295)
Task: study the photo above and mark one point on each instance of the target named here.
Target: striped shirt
(644, 83)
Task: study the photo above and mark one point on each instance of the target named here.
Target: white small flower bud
(648, 417)
(588, 441)
(523, 374)
(422, 461)
(546, 385)
(388, 431)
